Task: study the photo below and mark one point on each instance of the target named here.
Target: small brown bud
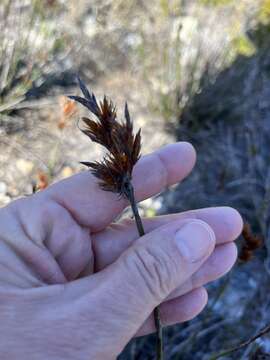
(252, 242)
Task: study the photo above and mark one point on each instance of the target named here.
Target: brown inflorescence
(252, 243)
(115, 170)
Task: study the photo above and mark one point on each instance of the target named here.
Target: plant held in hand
(115, 170)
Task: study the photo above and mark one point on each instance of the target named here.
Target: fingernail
(194, 240)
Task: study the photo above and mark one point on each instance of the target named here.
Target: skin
(74, 284)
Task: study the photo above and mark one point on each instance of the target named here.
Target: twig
(131, 198)
(21, 103)
(198, 335)
(262, 332)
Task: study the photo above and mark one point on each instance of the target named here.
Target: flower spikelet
(115, 170)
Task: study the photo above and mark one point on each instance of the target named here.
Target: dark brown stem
(129, 191)
(135, 211)
(158, 324)
(262, 332)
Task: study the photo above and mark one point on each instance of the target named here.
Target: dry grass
(197, 63)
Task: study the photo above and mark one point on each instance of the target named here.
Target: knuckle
(51, 209)
(156, 269)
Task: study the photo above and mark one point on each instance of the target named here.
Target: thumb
(158, 263)
(123, 295)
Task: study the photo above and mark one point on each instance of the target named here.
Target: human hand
(75, 286)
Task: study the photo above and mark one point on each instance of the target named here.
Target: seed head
(123, 146)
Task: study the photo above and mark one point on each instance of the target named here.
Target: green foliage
(216, 2)
(244, 46)
(150, 212)
(165, 6)
(166, 106)
(170, 7)
(261, 33)
(28, 43)
(264, 12)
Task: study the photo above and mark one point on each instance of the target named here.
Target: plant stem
(159, 345)
(130, 195)
(262, 332)
(135, 211)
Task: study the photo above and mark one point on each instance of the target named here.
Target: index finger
(95, 208)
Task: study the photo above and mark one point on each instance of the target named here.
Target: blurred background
(190, 70)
